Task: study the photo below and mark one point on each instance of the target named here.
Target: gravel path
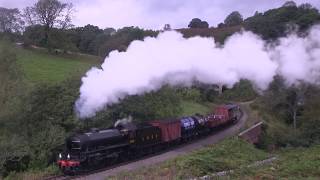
(228, 132)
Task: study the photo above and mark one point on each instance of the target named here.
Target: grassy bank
(41, 67)
(234, 154)
(229, 154)
(292, 163)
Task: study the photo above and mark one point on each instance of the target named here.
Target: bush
(242, 91)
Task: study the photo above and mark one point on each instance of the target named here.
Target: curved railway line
(161, 156)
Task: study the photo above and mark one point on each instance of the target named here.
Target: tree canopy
(233, 19)
(50, 14)
(198, 23)
(10, 20)
(274, 23)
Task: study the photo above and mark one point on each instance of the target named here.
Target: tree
(109, 31)
(233, 19)
(221, 25)
(273, 23)
(34, 35)
(10, 20)
(289, 4)
(51, 14)
(306, 6)
(295, 100)
(197, 23)
(88, 35)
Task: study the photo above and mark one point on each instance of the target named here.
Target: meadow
(39, 66)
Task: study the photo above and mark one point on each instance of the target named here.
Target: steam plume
(170, 58)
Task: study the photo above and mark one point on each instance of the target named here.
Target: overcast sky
(153, 14)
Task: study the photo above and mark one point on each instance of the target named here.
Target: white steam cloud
(170, 58)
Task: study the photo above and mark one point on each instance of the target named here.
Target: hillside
(40, 67)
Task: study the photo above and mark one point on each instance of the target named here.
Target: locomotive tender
(127, 140)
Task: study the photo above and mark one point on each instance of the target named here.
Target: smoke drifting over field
(170, 58)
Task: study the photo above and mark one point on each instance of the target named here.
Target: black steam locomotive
(128, 140)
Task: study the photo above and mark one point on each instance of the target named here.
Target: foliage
(242, 91)
(50, 14)
(85, 38)
(309, 119)
(198, 23)
(219, 34)
(14, 154)
(14, 150)
(229, 154)
(290, 114)
(34, 35)
(47, 117)
(286, 102)
(233, 19)
(35, 120)
(34, 174)
(289, 4)
(88, 39)
(190, 93)
(161, 104)
(275, 23)
(291, 163)
(11, 81)
(121, 39)
(10, 20)
(59, 106)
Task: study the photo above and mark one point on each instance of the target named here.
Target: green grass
(41, 67)
(234, 154)
(34, 174)
(191, 108)
(230, 154)
(292, 163)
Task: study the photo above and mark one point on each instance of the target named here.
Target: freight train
(128, 140)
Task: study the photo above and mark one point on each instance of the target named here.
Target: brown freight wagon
(216, 120)
(223, 115)
(170, 129)
(220, 117)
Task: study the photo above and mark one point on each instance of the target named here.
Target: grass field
(41, 67)
(190, 108)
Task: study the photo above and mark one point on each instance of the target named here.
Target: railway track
(168, 153)
(89, 172)
(163, 155)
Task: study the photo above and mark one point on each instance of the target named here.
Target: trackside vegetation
(231, 154)
(236, 155)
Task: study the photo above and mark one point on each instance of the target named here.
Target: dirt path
(228, 132)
